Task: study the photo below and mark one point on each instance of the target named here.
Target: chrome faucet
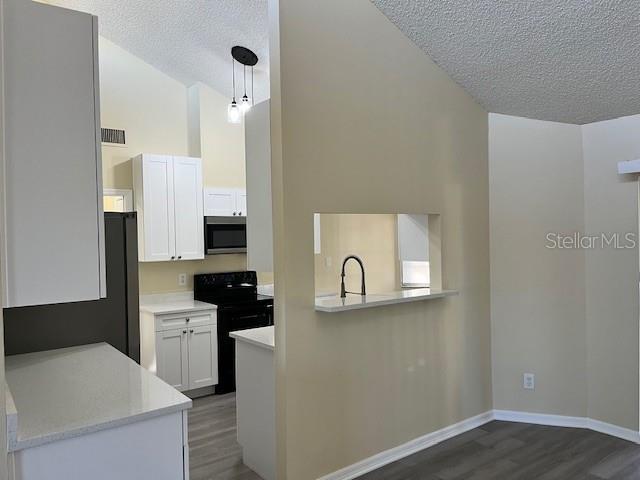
(343, 291)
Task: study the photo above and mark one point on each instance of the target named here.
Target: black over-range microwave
(225, 235)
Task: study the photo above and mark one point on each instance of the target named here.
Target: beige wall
(570, 316)
(611, 205)
(372, 237)
(153, 109)
(149, 105)
(364, 122)
(537, 294)
(222, 143)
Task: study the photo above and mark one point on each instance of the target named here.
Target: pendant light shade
(246, 58)
(234, 115)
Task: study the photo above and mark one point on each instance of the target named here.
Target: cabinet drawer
(183, 320)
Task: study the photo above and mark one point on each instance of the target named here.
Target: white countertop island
(333, 304)
(92, 412)
(256, 399)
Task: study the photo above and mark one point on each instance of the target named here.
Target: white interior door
(189, 217)
(220, 202)
(159, 215)
(203, 356)
(172, 357)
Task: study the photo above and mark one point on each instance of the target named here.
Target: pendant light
(247, 58)
(233, 111)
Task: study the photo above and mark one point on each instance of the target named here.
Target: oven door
(225, 235)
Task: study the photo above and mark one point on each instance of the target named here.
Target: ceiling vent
(113, 137)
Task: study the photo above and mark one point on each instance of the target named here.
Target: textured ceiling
(574, 61)
(189, 40)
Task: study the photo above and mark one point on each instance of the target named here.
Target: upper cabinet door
(187, 181)
(241, 202)
(154, 180)
(257, 128)
(54, 249)
(220, 202)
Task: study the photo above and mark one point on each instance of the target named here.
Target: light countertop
(177, 307)
(334, 303)
(73, 391)
(266, 290)
(182, 302)
(261, 337)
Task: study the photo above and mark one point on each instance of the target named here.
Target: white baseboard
(562, 421)
(388, 456)
(384, 458)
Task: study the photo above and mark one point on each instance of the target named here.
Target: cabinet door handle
(180, 257)
(173, 258)
(184, 331)
(240, 213)
(191, 331)
(188, 320)
(234, 214)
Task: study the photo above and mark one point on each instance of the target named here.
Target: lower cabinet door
(173, 357)
(203, 356)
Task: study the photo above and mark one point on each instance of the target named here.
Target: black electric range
(240, 307)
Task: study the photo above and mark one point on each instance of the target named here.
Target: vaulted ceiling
(188, 40)
(574, 61)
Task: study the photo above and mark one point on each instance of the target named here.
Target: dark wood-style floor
(517, 451)
(496, 451)
(214, 453)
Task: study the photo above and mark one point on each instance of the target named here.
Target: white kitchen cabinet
(168, 199)
(189, 216)
(257, 128)
(173, 358)
(225, 202)
(241, 202)
(52, 174)
(181, 348)
(203, 350)
(413, 238)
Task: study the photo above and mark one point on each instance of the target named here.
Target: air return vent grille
(113, 136)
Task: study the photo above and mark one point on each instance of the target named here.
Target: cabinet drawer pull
(188, 320)
(173, 258)
(190, 331)
(184, 331)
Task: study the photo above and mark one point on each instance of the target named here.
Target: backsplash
(162, 277)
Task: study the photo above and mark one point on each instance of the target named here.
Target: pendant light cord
(233, 76)
(244, 78)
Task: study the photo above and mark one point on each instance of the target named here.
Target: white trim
(572, 422)
(539, 419)
(384, 458)
(388, 456)
(125, 193)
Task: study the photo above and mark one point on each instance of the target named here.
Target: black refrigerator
(114, 319)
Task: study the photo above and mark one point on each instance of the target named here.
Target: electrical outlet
(529, 381)
(182, 279)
